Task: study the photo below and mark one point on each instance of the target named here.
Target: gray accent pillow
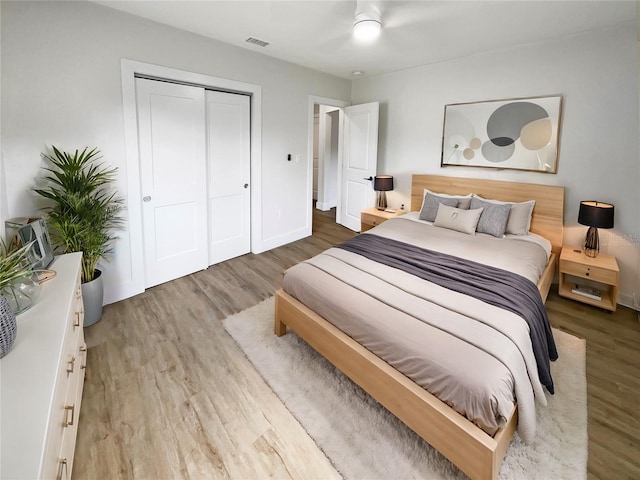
(464, 221)
(430, 206)
(464, 203)
(494, 217)
(463, 200)
(520, 216)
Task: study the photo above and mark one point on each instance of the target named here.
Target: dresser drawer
(596, 274)
(65, 411)
(72, 413)
(371, 219)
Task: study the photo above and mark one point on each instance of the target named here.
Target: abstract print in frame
(518, 133)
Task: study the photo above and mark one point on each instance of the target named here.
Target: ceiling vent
(255, 41)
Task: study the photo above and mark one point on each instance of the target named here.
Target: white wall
(3, 184)
(3, 200)
(597, 74)
(61, 85)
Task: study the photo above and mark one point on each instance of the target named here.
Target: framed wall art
(519, 134)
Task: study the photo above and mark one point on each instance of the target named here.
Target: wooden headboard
(548, 213)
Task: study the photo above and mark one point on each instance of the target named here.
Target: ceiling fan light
(366, 29)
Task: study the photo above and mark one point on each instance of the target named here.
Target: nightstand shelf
(372, 217)
(600, 272)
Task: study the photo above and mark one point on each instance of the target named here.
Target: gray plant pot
(92, 294)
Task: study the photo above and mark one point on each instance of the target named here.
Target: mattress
(475, 357)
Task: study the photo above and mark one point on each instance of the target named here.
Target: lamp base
(382, 201)
(592, 243)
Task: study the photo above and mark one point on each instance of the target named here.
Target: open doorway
(326, 158)
(345, 152)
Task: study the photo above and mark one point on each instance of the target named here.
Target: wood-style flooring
(169, 395)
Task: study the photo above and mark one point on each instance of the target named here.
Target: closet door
(228, 164)
(173, 172)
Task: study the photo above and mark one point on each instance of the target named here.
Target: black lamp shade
(383, 183)
(596, 214)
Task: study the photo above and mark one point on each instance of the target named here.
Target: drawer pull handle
(72, 364)
(62, 466)
(83, 349)
(67, 409)
(77, 322)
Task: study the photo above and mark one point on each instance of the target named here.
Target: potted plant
(82, 214)
(13, 267)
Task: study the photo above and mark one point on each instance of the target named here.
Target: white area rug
(364, 441)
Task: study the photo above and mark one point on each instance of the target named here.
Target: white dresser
(41, 381)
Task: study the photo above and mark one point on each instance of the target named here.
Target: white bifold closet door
(181, 171)
(228, 161)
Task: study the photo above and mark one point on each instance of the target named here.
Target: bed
(467, 445)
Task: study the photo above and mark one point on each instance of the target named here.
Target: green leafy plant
(13, 265)
(84, 211)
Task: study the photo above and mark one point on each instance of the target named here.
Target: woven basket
(8, 327)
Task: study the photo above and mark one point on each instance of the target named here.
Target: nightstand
(372, 217)
(600, 272)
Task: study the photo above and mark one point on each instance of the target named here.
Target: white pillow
(463, 200)
(464, 221)
(519, 220)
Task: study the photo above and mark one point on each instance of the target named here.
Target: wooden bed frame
(467, 446)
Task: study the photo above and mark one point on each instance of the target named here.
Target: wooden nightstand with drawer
(372, 217)
(600, 273)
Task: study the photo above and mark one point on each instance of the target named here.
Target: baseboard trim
(273, 242)
(324, 206)
(627, 300)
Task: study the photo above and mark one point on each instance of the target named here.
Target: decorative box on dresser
(372, 217)
(41, 380)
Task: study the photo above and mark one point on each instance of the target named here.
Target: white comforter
(471, 355)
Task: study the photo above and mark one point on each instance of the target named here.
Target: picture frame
(41, 253)
(515, 134)
(24, 230)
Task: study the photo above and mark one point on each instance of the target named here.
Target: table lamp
(594, 215)
(382, 184)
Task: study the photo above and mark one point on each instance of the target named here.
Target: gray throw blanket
(491, 285)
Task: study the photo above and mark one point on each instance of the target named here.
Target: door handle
(146, 198)
(246, 185)
(370, 178)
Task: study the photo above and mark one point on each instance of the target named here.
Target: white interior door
(359, 162)
(173, 179)
(228, 165)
